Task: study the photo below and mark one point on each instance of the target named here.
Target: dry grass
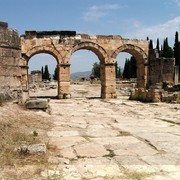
(18, 127)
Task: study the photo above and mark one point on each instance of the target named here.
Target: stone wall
(10, 53)
(160, 69)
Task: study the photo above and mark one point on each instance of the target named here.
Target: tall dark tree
(55, 75)
(177, 50)
(130, 68)
(96, 70)
(133, 67)
(42, 72)
(167, 51)
(46, 73)
(118, 70)
(151, 44)
(126, 69)
(157, 46)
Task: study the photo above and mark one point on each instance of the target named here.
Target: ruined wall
(10, 53)
(160, 69)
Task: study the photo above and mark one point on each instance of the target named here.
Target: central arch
(98, 51)
(141, 61)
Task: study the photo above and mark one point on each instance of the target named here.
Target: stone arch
(42, 49)
(136, 51)
(95, 48)
(38, 50)
(141, 59)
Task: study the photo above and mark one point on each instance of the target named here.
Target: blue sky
(127, 18)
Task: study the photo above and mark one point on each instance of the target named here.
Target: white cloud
(161, 31)
(104, 7)
(95, 12)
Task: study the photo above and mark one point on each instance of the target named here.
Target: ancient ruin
(62, 44)
(15, 53)
(10, 71)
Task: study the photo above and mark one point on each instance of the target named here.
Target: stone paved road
(114, 139)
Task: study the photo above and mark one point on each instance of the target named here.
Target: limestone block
(32, 149)
(10, 71)
(10, 81)
(64, 77)
(37, 104)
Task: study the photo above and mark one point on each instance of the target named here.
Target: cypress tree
(167, 50)
(46, 73)
(177, 50)
(55, 75)
(151, 44)
(42, 72)
(133, 67)
(125, 69)
(157, 46)
(118, 70)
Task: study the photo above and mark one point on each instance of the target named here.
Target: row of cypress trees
(166, 51)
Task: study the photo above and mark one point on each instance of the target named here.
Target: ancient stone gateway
(62, 44)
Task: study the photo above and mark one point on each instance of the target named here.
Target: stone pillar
(64, 81)
(141, 77)
(10, 71)
(24, 73)
(176, 75)
(108, 81)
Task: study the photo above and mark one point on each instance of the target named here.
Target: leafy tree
(55, 76)
(177, 50)
(96, 70)
(46, 73)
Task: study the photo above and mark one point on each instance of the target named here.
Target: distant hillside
(79, 75)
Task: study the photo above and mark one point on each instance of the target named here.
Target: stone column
(141, 77)
(176, 75)
(64, 81)
(108, 81)
(24, 73)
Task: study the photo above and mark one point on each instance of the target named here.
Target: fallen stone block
(37, 104)
(32, 149)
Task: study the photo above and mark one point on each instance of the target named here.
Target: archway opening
(42, 76)
(126, 73)
(85, 74)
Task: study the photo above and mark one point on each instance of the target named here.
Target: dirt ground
(91, 138)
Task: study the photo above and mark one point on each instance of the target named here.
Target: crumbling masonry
(15, 52)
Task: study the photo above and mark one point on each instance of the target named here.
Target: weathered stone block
(37, 104)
